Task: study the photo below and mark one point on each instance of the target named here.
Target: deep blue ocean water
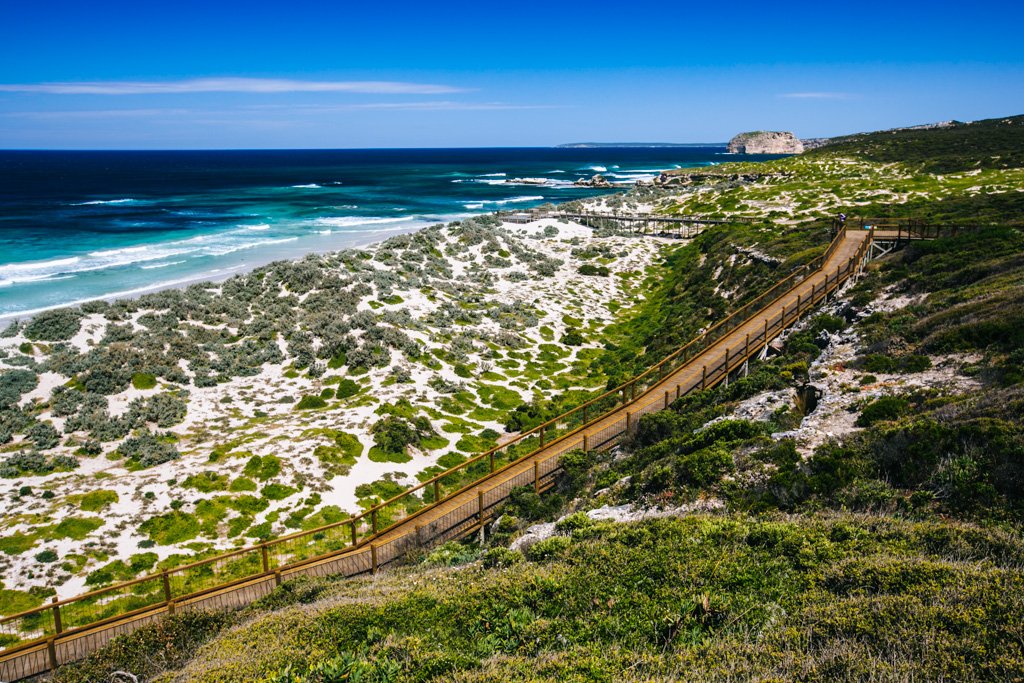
(82, 225)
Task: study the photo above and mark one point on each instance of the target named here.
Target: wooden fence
(449, 505)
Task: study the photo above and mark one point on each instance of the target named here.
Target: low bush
(59, 324)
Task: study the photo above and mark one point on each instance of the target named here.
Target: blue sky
(211, 74)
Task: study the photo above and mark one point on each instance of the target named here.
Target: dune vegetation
(850, 509)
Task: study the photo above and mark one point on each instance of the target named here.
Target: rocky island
(766, 142)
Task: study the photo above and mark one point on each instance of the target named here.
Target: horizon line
(605, 145)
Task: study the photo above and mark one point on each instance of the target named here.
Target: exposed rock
(766, 142)
(535, 534)
(528, 181)
(597, 181)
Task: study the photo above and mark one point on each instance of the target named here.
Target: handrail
(709, 338)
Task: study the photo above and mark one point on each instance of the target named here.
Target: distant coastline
(637, 145)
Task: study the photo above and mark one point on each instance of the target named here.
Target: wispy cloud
(283, 109)
(817, 95)
(432, 105)
(246, 85)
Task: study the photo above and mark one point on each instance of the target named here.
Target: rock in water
(596, 181)
(766, 142)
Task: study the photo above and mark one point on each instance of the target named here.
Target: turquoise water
(76, 226)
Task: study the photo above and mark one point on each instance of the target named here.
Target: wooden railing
(911, 228)
(442, 507)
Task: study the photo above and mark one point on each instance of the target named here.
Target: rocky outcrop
(596, 181)
(766, 142)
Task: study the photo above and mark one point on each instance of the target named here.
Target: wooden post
(584, 414)
(373, 520)
(277, 577)
(536, 477)
(51, 649)
(679, 387)
(766, 331)
(585, 449)
(798, 306)
(783, 316)
(727, 362)
(703, 377)
(480, 507)
(632, 391)
(419, 534)
(490, 456)
(629, 420)
(666, 397)
(437, 490)
(352, 526)
(264, 557)
(167, 586)
(58, 627)
(542, 436)
(746, 346)
(373, 556)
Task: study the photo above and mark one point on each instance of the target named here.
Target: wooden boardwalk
(724, 349)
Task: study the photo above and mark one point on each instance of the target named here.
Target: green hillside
(991, 143)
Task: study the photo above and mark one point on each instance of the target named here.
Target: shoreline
(372, 238)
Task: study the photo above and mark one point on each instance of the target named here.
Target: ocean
(76, 226)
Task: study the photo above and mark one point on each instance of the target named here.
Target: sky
(307, 74)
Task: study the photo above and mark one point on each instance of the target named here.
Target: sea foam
(94, 202)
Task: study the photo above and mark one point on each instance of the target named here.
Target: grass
(15, 601)
(699, 598)
(76, 528)
(98, 500)
(171, 528)
(144, 380)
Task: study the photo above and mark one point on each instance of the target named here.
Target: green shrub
(43, 435)
(147, 449)
(573, 337)
(59, 324)
(346, 388)
(591, 269)
(884, 408)
(310, 402)
(47, 556)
